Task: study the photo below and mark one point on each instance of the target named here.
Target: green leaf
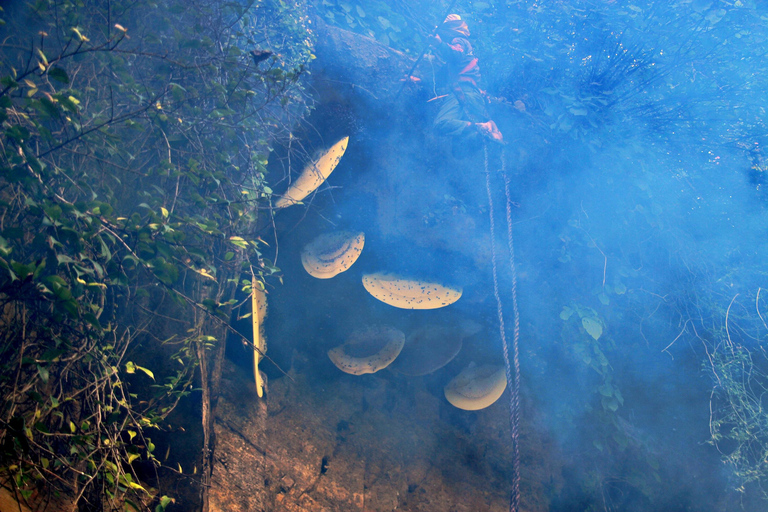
(131, 367)
(42, 57)
(69, 103)
(44, 376)
(9, 82)
(138, 487)
(63, 258)
(23, 271)
(592, 326)
(164, 501)
(80, 37)
(46, 106)
(146, 371)
(239, 242)
(58, 74)
(92, 320)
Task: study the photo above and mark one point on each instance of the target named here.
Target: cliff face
(322, 440)
(368, 444)
(351, 63)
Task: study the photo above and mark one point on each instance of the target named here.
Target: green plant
(135, 138)
(584, 335)
(401, 25)
(738, 417)
(613, 437)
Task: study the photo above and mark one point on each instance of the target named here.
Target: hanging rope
(512, 380)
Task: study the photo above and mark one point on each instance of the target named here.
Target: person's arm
(454, 51)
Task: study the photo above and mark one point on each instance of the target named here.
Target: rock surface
(346, 60)
(364, 444)
(327, 441)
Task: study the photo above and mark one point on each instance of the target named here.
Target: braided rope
(514, 395)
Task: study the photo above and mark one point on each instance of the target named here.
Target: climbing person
(464, 112)
(464, 116)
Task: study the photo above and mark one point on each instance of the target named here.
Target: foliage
(671, 68)
(399, 24)
(614, 438)
(132, 167)
(587, 347)
(738, 418)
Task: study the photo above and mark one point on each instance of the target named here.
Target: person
(464, 112)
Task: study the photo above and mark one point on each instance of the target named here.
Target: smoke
(632, 205)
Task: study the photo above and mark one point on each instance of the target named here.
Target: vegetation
(737, 360)
(688, 77)
(395, 24)
(132, 171)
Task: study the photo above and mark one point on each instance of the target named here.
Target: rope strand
(515, 397)
(514, 381)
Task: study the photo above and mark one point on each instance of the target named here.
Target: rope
(514, 395)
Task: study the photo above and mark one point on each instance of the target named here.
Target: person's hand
(489, 130)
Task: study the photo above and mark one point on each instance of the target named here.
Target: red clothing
(460, 60)
(465, 106)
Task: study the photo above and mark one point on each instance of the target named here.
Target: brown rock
(361, 444)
